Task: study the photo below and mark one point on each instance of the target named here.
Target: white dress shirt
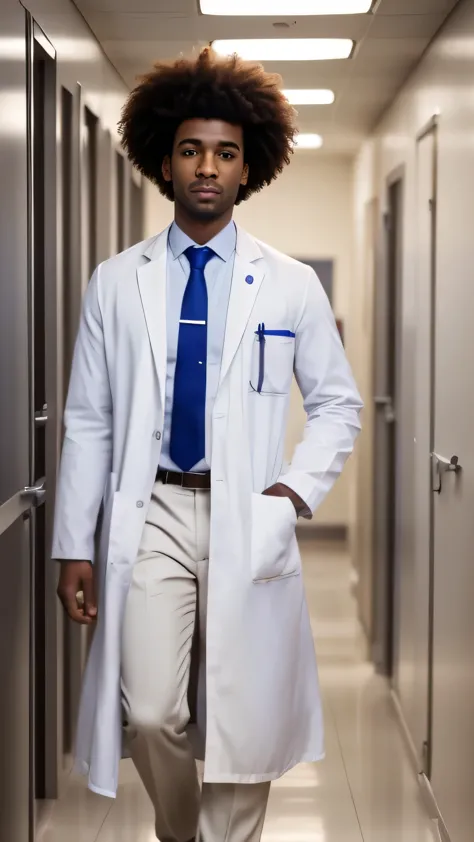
(218, 275)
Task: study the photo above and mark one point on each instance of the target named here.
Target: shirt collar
(223, 244)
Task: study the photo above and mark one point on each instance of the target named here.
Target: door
(89, 173)
(452, 766)
(120, 201)
(414, 579)
(43, 408)
(363, 543)
(27, 245)
(136, 205)
(15, 506)
(385, 387)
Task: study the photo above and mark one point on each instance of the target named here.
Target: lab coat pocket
(274, 549)
(126, 526)
(272, 363)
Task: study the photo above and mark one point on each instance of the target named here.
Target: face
(206, 168)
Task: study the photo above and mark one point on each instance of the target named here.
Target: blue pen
(261, 334)
(261, 368)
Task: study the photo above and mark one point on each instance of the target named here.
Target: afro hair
(214, 88)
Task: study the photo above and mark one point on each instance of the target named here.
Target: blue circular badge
(249, 279)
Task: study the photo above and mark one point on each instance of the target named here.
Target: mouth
(204, 192)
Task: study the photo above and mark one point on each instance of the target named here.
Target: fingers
(76, 592)
(90, 604)
(72, 605)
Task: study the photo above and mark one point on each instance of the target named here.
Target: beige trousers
(168, 590)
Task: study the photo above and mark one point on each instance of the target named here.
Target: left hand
(280, 490)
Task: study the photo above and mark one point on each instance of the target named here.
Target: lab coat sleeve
(87, 450)
(331, 401)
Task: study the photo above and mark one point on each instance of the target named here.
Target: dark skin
(207, 167)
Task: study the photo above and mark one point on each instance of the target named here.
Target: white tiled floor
(365, 790)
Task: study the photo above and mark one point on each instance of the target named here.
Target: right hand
(77, 577)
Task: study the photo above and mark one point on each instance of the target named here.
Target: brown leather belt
(191, 481)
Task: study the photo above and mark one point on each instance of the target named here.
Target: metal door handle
(36, 494)
(41, 417)
(382, 400)
(442, 466)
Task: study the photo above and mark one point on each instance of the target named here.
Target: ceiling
(389, 43)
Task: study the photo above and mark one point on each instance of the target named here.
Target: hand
(281, 490)
(77, 577)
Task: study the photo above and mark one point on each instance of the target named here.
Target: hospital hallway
(353, 239)
(365, 789)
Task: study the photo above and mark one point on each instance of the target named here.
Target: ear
(245, 175)
(166, 168)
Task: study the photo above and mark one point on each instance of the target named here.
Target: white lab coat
(263, 711)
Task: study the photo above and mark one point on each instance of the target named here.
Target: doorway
(387, 310)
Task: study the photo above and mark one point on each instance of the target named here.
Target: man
(175, 426)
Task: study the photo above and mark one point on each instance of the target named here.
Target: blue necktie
(188, 420)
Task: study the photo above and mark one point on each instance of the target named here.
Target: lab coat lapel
(152, 286)
(249, 272)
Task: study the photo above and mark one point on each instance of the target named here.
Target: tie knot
(199, 257)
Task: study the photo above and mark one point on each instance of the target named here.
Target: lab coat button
(157, 435)
(139, 504)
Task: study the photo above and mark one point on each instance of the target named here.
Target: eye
(189, 153)
(227, 156)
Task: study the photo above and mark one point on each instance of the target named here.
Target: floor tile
(76, 817)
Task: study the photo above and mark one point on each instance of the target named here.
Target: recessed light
(310, 97)
(238, 8)
(286, 49)
(308, 141)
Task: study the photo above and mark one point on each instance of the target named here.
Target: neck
(201, 231)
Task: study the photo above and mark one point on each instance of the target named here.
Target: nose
(207, 167)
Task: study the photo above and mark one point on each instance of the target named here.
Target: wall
(441, 85)
(84, 69)
(306, 213)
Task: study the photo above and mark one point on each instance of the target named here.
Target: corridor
(360, 247)
(364, 791)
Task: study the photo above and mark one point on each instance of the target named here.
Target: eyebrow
(223, 144)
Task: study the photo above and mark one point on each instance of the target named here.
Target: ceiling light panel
(286, 49)
(277, 8)
(308, 141)
(310, 97)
